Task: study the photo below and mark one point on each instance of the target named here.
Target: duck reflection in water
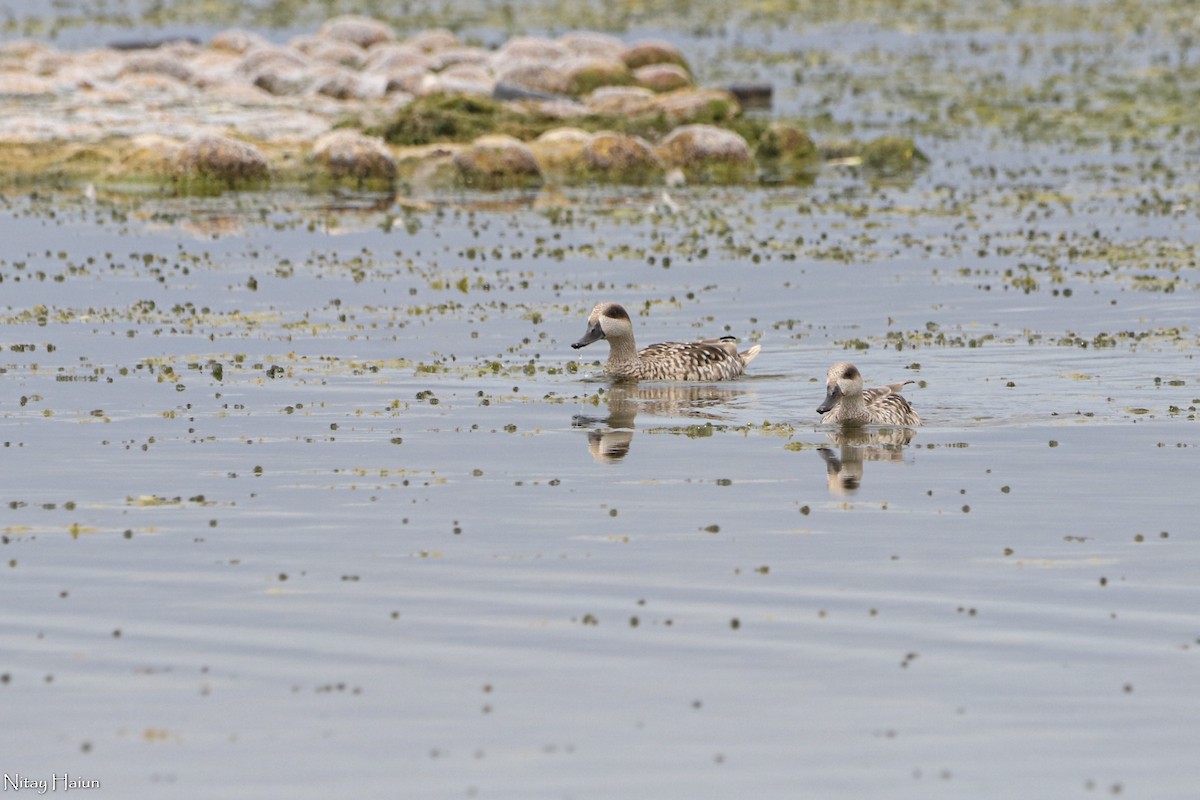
(844, 469)
(611, 436)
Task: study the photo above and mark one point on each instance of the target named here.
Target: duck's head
(842, 379)
(606, 319)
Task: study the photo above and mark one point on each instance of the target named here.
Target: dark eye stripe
(615, 311)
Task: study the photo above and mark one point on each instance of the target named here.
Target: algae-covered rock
(652, 51)
(498, 161)
(362, 31)
(559, 151)
(786, 153)
(459, 79)
(430, 166)
(624, 159)
(276, 70)
(697, 106)
(147, 157)
(531, 49)
(589, 43)
(707, 152)
(534, 76)
(783, 141)
(662, 77)
(443, 118)
(433, 40)
(624, 101)
(331, 51)
(461, 118)
(892, 154)
(236, 40)
(583, 74)
(21, 85)
(221, 160)
(353, 156)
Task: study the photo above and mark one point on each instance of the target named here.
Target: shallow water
(303, 493)
(399, 539)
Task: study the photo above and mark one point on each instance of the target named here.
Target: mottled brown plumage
(706, 360)
(847, 403)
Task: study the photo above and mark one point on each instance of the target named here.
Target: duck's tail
(749, 355)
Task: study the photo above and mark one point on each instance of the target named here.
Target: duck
(848, 403)
(705, 360)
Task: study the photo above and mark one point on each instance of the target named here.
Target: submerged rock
(497, 161)
(362, 31)
(351, 155)
(624, 101)
(222, 160)
(662, 77)
(652, 51)
(697, 105)
(892, 154)
(707, 152)
(621, 158)
(583, 74)
(589, 43)
(560, 150)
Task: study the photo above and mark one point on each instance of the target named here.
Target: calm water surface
(284, 501)
(309, 496)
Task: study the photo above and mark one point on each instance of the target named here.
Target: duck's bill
(831, 398)
(593, 333)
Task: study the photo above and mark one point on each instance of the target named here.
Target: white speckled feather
(848, 403)
(707, 360)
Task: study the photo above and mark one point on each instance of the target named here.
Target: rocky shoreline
(355, 104)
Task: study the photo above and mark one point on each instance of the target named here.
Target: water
(397, 542)
(308, 495)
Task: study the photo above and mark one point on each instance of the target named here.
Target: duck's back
(892, 409)
(882, 405)
(708, 360)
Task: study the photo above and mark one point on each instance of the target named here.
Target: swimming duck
(848, 403)
(707, 360)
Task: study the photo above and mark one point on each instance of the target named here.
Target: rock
(786, 153)
(588, 43)
(623, 101)
(583, 74)
(222, 160)
(330, 51)
(276, 70)
(362, 31)
(351, 155)
(236, 40)
(652, 51)
(662, 77)
(393, 56)
(786, 142)
(622, 158)
(158, 63)
(430, 166)
(340, 84)
(497, 161)
(697, 105)
(708, 152)
(451, 56)
(407, 80)
(21, 85)
(892, 154)
(560, 150)
(469, 79)
(433, 41)
(531, 48)
(148, 156)
(539, 77)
